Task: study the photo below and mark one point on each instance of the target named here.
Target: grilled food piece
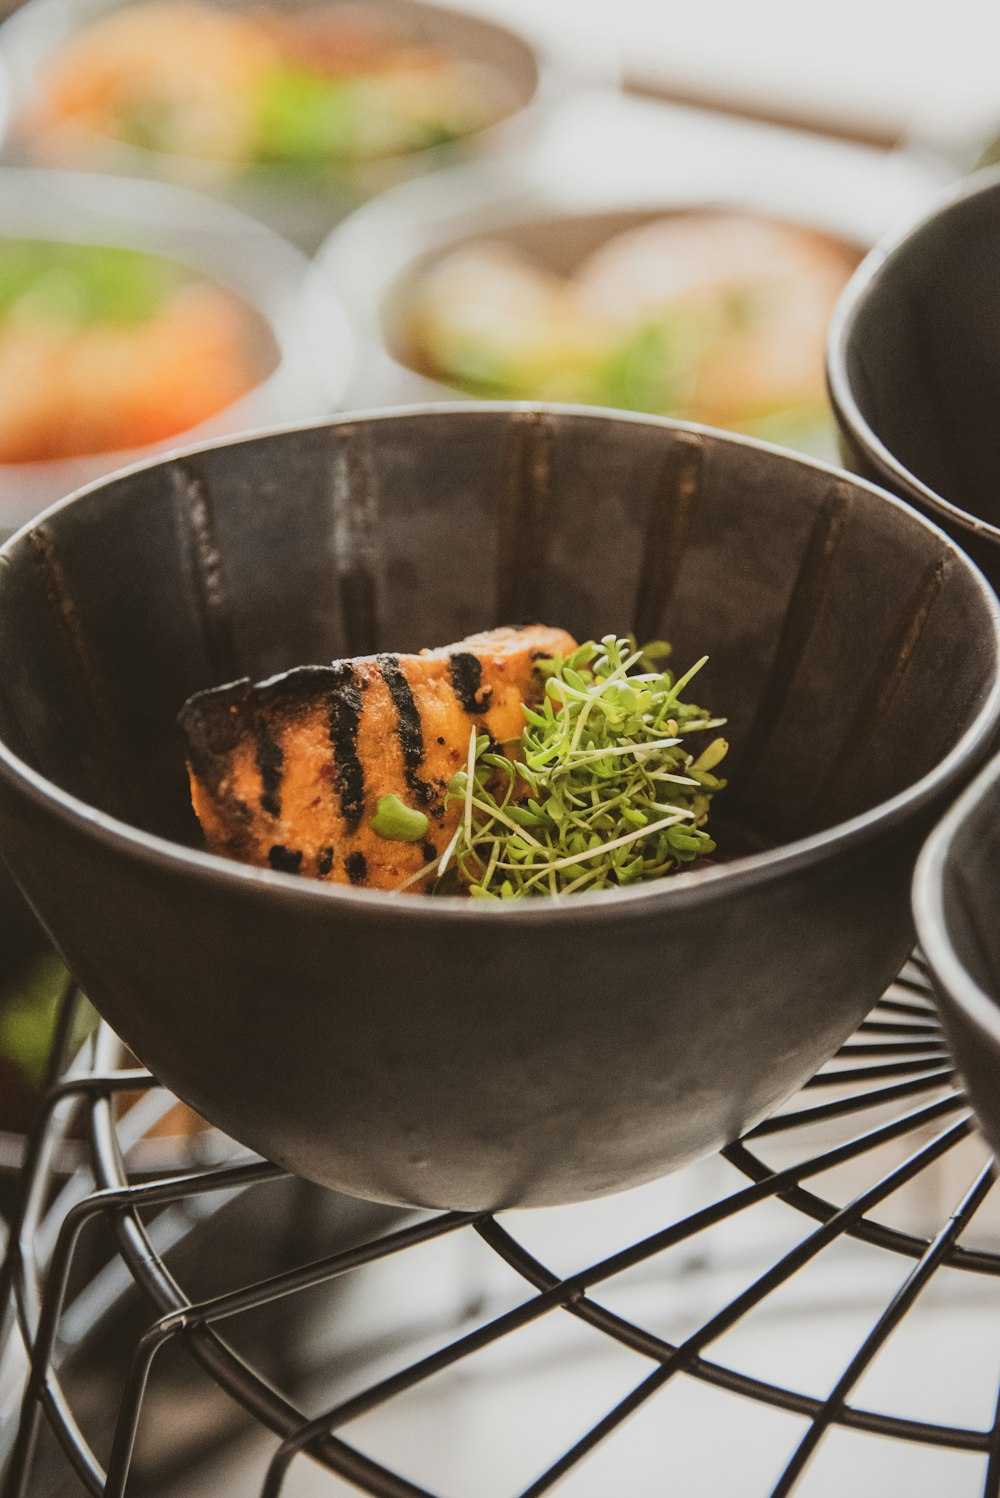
(287, 774)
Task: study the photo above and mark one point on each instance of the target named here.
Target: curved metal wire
(891, 1083)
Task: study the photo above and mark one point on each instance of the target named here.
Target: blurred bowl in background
(107, 86)
(914, 366)
(246, 300)
(955, 894)
(4, 103)
(703, 310)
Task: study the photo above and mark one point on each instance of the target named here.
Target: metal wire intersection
(892, 1083)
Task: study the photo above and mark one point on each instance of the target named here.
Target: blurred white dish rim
(312, 340)
(304, 207)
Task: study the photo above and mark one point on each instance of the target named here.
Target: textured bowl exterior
(440, 1053)
(440, 1063)
(912, 369)
(955, 906)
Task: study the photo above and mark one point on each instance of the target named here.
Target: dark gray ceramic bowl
(956, 895)
(914, 367)
(435, 1051)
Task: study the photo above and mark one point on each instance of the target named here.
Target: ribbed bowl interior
(831, 618)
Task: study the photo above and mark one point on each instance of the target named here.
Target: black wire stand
(891, 1084)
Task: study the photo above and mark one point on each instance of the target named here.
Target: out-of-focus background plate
(303, 376)
(302, 205)
(603, 153)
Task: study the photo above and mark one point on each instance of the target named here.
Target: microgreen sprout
(398, 822)
(599, 791)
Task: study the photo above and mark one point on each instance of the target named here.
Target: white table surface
(902, 66)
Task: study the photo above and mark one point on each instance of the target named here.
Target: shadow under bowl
(955, 891)
(914, 369)
(445, 1052)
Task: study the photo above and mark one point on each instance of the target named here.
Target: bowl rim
(682, 890)
(850, 306)
(955, 984)
(23, 61)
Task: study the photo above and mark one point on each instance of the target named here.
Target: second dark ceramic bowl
(956, 897)
(438, 1051)
(914, 367)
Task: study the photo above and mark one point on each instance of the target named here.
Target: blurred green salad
(43, 280)
(29, 1002)
(329, 85)
(711, 316)
(103, 347)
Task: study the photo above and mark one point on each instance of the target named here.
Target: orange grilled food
(287, 774)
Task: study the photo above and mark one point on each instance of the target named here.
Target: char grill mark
(345, 720)
(271, 764)
(409, 726)
(466, 677)
(285, 860)
(284, 771)
(212, 722)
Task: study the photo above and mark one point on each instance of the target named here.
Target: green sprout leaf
(397, 822)
(609, 784)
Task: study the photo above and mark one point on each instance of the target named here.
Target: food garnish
(398, 822)
(512, 763)
(600, 790)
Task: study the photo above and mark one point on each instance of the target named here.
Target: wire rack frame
(897, 1060)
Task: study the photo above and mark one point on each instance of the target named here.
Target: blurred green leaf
(306, 117)
(52, 281)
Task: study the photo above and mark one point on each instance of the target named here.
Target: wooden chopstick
(667, 91)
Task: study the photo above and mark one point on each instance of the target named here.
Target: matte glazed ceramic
(955, 905)
(914, 369)
(446, 1052)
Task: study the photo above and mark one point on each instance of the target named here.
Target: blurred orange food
(184, 63)
(329, 86)
(86, 369)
